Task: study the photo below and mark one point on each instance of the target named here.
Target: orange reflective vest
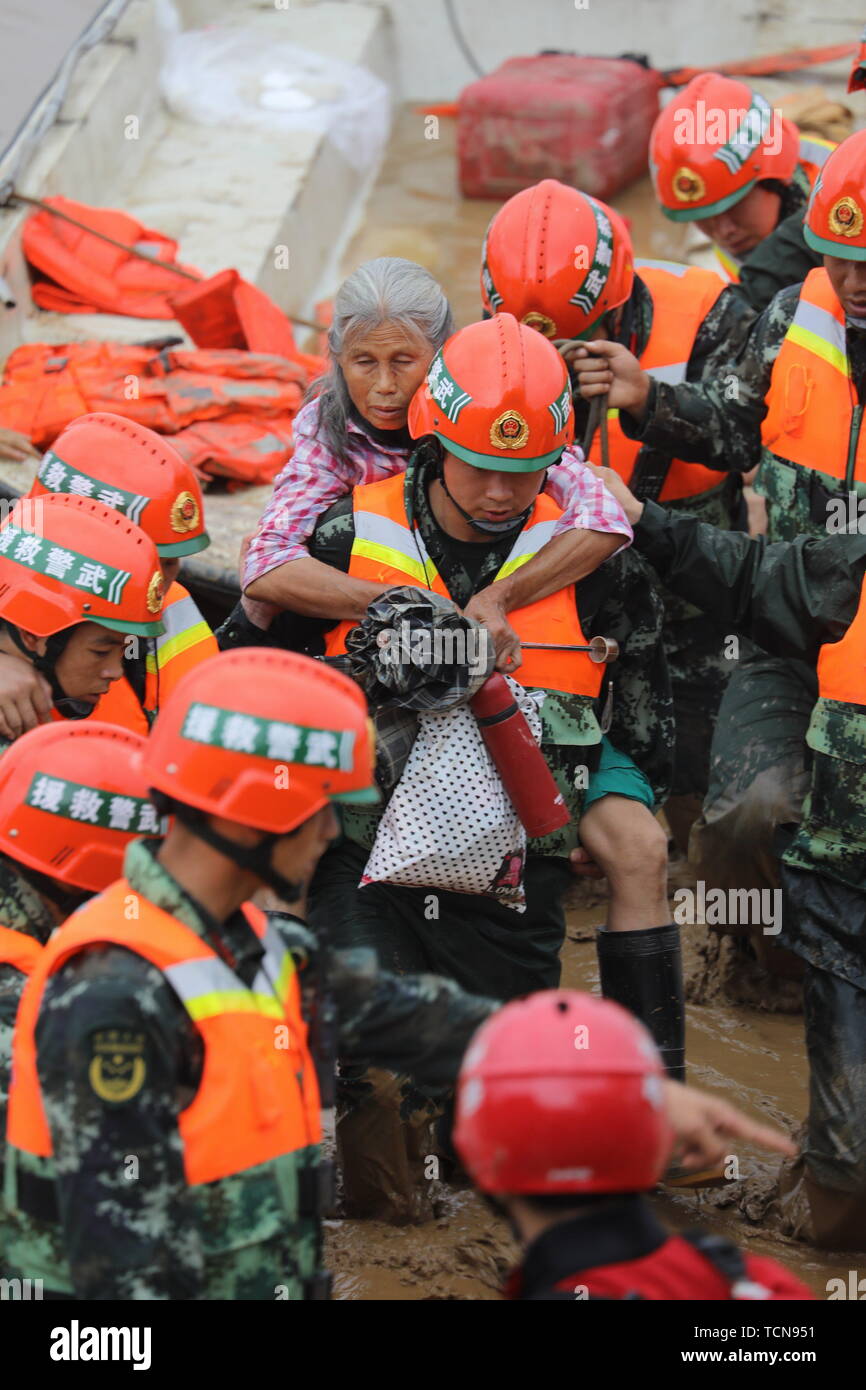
(387, 550)
(186, 641)
(813, 156)
(19, 950)
(682, 297)
(813, 421)
(832, 834)
(258, 1098)
(229, 413)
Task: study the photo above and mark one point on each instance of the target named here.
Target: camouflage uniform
(483, 945)
(693, 645)
(91, 1226)
(758, 768)
(792, 598)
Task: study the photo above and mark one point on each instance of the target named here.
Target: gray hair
(386, 290)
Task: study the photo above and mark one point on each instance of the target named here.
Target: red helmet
(71, 799)
(264, 738)
(557, 259)
(497, 395)
(713, 142)
(132, 469)
(835, 217)
(562, 1092)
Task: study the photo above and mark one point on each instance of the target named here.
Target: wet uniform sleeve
(790, 597)
(717, 421)
(118, 1059)
(418, 1025)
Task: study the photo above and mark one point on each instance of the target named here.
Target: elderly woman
(390, 319)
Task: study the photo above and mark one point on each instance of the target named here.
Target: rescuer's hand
(601, 367)
(706, 1126)
(614, 483)
(16, 446)
(488, 607)
(25, 697)
(582, 865)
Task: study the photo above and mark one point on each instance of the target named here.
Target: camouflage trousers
(389, 1153)
(823, 1192)
(759, 774)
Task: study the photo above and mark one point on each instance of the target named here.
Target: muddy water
(752, 1057)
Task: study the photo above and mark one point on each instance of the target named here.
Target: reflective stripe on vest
(258, 1098)
(729, 264)
(682, 296)
(19, 950)
(810, 419)
(186, 641)
(387, 550)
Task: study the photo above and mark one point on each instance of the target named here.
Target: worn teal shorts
(617, 775)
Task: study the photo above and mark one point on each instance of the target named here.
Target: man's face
(170, 567)
(488, 494)
(744, 226)
(296, 856)
(383, 369)
(848, 279)
(90, 661)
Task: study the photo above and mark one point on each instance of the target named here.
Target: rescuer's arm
(25, 697)
(790, 597)
(717, 421)
(592, 527)
(116, 1057)
(278, 567)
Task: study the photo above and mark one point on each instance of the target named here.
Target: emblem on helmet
(688, 186)
(509, 431)
(184, 512)
(155, 591)
(540, 322)
(846, 218)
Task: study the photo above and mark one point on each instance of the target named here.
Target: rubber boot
(643, 971)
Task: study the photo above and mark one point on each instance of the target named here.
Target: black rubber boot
(643, 971)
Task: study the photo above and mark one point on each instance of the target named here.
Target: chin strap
(256, 859)
(487, 528)
(46, 665)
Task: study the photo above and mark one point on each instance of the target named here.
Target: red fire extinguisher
(518, 758)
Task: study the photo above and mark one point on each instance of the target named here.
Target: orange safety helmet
(562, 1092)
(132, 469)
(71, 799)
(557, 259)
(713, 142)
(498, 396)
(262, 737)
(66, 560)
(834, 223)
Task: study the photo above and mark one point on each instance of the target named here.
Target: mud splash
(748, 1053)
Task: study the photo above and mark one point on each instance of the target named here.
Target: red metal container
(519, 761)
(584, 121)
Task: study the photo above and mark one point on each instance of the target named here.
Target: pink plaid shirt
(313, 480)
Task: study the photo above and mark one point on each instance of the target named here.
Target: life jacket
(814, 152)
(682, 297)
(256, 1111)
(832, 834)
(696, 1266)
(229, 413)
(186, 641)
(80, 274)
(387, 550)
(814, 448)
(19, 950)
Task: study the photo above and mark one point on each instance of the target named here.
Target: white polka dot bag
(450, 823)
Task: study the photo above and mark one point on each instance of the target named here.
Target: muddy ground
(752, 1053)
